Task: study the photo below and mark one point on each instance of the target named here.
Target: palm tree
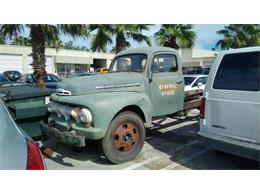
(239, 35)
(83, 48)
(40, 34)
(70, 45)
(2, 39)
(104, 34)
(21, 41)
(175, 36)
(55, 43)
(26, 41)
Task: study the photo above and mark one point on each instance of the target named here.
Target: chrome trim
(63, 92)
(118, 86)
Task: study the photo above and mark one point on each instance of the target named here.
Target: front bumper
(61, 136)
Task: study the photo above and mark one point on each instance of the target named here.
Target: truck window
(164, 63)
(239, 71)
(129, 63)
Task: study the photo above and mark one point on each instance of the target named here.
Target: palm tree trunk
(120, 42)
(38, 52)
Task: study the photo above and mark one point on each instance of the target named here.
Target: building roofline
(14, 49)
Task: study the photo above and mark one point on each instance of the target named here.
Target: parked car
(193, 82)
(203, 71)
(80, 74)
(102, 70)
(17, 150)
(3, 79)
(86, 74)
(12, 75)
(50, 80)
(230, 110)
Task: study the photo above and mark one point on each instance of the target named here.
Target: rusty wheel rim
(125, 137)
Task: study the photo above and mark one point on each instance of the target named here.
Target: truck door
(166, 87)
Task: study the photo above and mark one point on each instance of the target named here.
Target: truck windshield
(129, 63)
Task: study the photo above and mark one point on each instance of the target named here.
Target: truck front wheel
(125, 137)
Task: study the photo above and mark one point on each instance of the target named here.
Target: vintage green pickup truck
(142, 84)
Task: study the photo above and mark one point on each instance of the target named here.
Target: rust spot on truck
(48, 152)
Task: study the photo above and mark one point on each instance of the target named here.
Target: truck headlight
(50, 109)
(85, 116)
(75, 114)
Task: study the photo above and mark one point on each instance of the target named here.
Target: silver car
(17, 150)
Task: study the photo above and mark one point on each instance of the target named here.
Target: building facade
(58, 61)
(197, 58)
(64, 61)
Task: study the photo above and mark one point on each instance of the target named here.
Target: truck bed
(192, 99)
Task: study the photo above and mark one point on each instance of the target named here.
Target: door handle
(178, 82)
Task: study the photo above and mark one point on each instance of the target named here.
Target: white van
(230, 109)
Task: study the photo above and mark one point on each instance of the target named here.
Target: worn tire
(118, 156)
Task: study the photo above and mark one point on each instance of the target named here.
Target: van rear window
(239, 71)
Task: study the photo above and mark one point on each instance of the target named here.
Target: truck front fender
(105, 106)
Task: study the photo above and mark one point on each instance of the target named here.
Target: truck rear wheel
(125, 138)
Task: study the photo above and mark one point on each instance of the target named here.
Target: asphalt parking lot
(172, 144)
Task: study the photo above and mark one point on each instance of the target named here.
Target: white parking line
(149, 160)
(185, 160)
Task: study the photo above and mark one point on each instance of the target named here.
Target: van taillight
(202, 108)
(34, 158)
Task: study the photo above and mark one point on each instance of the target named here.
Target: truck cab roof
(147, 50)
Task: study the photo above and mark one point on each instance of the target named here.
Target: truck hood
(123, 81)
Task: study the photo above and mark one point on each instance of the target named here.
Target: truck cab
(142, 84)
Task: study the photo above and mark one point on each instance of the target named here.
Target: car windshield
(12, 72)
(3, 79)
(129, 63)
(51, 78)
(47, 78)
(188, 80)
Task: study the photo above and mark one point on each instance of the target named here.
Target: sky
(206, 36)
